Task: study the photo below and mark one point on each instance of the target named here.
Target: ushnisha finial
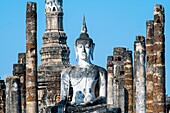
(84, 27)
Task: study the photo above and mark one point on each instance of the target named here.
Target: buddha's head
(84, 45)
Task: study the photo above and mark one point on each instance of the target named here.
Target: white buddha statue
(84, 83)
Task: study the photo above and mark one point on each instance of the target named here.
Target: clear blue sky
(111, 23)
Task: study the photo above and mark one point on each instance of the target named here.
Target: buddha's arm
(102, 83)
(64, 85)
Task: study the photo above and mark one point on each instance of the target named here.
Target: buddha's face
(83, 50)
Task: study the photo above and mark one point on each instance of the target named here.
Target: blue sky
(110, 23)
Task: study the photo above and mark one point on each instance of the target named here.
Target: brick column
(13, 96)
(134, 81)
(110, 80)
(118, 81)
(159, 51)
(149, 65)
(115, 87)
(129, 80)
(31, 59)
(2, 96)
(19, 70)
(140, 74)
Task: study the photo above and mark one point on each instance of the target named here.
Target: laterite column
(150, 61)
(129, 80)
(159, 51)
(140, 75)
(31, 59)
(110, 80)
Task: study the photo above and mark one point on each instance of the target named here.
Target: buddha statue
(85, 83)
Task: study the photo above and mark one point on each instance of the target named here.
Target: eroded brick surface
(140, 74)
(2, 96)
(31, 58)
(159, 51)
(54, 56)
(120, 83)
(13, 94)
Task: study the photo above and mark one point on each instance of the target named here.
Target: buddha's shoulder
(74, 68)
(100, 69)
(68, 69)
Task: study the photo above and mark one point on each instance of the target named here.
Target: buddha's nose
(84, 50)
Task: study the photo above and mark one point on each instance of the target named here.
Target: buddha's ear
(75, 48)
(92, 50)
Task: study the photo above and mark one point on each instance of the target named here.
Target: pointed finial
(60, 3)
(84, 27)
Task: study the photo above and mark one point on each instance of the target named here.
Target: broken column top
(31, 7)
(18, 69)
(119, 49)
(140, 38)
(158, 8)
(140, 41)
(128, 55)
(21, 58)
(109, 61)
(159, 16)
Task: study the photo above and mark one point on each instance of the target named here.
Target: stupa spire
(84, 27)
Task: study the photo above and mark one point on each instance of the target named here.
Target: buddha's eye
(79, 45)
(87, 45)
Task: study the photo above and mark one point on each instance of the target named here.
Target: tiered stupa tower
(54, 54)
(54, 51)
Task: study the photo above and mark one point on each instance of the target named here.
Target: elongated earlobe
(75, 48)
(92, 50)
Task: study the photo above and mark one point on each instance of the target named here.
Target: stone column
(13, 97)
(19, 70)
(140, 75)
(2, 96)
(31, 58)
(118, 82)
(159, 51)
(115, 87)
(129, 81)
(110, 80)
(134, 81)
(149, 65)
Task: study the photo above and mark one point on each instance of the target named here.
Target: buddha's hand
(61, 106)
(61, 103)
(100, 100)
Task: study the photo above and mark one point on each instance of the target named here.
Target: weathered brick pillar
(118, 82)
(129, 80)
(149, 65)
(134, 81)
(22, 62)
(140, 75)
(2, 96)
(110, 80)
(13, 96)
(19, 71)
(31, 58)
(115, 86)
(159, 51)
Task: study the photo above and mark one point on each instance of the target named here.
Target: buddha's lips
(84, 54)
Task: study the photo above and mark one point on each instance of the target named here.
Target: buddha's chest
(84, 77)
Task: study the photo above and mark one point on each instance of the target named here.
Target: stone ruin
(133, 88)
